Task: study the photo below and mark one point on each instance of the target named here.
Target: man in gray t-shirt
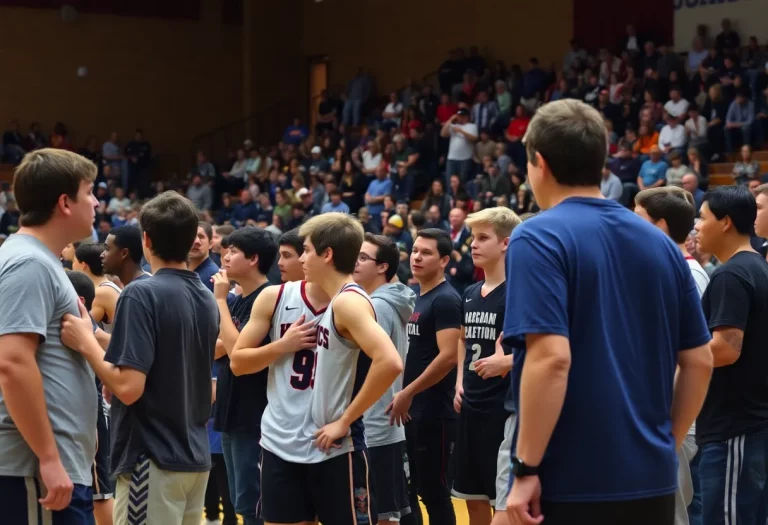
(48, 400)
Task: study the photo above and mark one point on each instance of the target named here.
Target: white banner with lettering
(748, 18)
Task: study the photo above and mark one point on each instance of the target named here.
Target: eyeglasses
(364, 257)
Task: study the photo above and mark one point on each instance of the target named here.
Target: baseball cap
(395, 221)
(316, 149)
(463, 111)
(302, 192)
(103, 185)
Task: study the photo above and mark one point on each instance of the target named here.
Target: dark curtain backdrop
(602, 23)
(173, 9)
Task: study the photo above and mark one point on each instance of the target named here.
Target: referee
(601, 309)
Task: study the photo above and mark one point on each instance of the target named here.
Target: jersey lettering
(304, 363)
(322, 336)
(284, 328)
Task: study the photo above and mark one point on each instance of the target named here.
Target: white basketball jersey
(107, 326)
(290, 379)
(340, 371)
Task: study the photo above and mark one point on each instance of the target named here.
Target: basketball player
(123, 253)
(240, 401)
(47, 403)
(291, 248)
(160, 452)
(103, 489)
(219, 233)
(393, 303)
(88, 260)
(426, 401)
(672, 210)
(480, 386)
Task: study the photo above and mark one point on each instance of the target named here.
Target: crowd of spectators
(428, 156)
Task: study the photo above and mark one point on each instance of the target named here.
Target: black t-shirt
(737, 400)
(165, 327)
(240, 401)
(483, 322)
(438, 309)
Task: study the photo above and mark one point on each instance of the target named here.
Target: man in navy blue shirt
(200, 261)
(601, 308)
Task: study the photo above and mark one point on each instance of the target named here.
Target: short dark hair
(43, 177)
(293, 239)
(254, 241)
(735, 202)
(224, 229)
(89, 253)
(571, 137)
(674, 205)
(128, 237)
(387, 253)
(444, 243)
(83, 287)
(170, 222)
(418, 219)
(207, 228)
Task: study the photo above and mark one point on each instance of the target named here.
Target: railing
(264, 127)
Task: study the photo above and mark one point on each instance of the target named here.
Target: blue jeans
(242, 455)
(733, 478)
(351, 113)
(462, 168)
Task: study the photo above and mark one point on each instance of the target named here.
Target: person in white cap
(318, 162)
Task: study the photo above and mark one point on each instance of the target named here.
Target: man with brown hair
(48, 401)
(761, 222)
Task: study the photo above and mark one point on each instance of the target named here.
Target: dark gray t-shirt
(35, 293)
(166, 327)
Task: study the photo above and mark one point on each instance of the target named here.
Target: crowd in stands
(430, 155)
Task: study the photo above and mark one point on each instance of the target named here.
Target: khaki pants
(151, 496)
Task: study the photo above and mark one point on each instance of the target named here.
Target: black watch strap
(521, 470)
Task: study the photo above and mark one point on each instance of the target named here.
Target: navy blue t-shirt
(206, 271)
(622, 293)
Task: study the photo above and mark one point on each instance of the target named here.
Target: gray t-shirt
(35, 293)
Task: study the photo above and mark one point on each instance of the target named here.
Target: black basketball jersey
(483, 320)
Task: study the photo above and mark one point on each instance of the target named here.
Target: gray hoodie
(394, 305)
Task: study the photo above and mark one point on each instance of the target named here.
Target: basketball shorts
(389, 480)
(504, 465)
(103, 486)
(19, 503)
(336, 491)
(475, 457)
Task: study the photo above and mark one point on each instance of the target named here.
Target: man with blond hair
(483, 363)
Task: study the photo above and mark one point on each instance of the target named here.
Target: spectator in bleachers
(121, 202)
(13, 144)
(716, 110)
(436, 196)
(239, 167)
(696, 128)
(244, 210)
(393, 112)
(738, 121)
(729, 39)
(535, 82)
(372, 158)
(138, 153)
(653, 171)
(650, 58)
(495, 185)
(204, 168)
(447, 109)
(200, 194)
(730, 72)
(335, 204)
(676, 106)
(296, 133)
(697, 167)
(395, 229)
(35, 138)
(327, 117)
(224, 213)
(462, 134)
(672, 136)
(92, 152)
(676, 170)
(691, 185)
(610, 185)
(378, 188)
(746, 168)
(484, 111)
(503, 99)
(113, 157)
(696, 55)
(358, 91)
(761, 119)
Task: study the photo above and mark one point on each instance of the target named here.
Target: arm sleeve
(729, 301)
(447, 310)
(27, 303)
(133, 335)
(534, 271)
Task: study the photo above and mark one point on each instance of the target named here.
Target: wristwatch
(521, 470)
